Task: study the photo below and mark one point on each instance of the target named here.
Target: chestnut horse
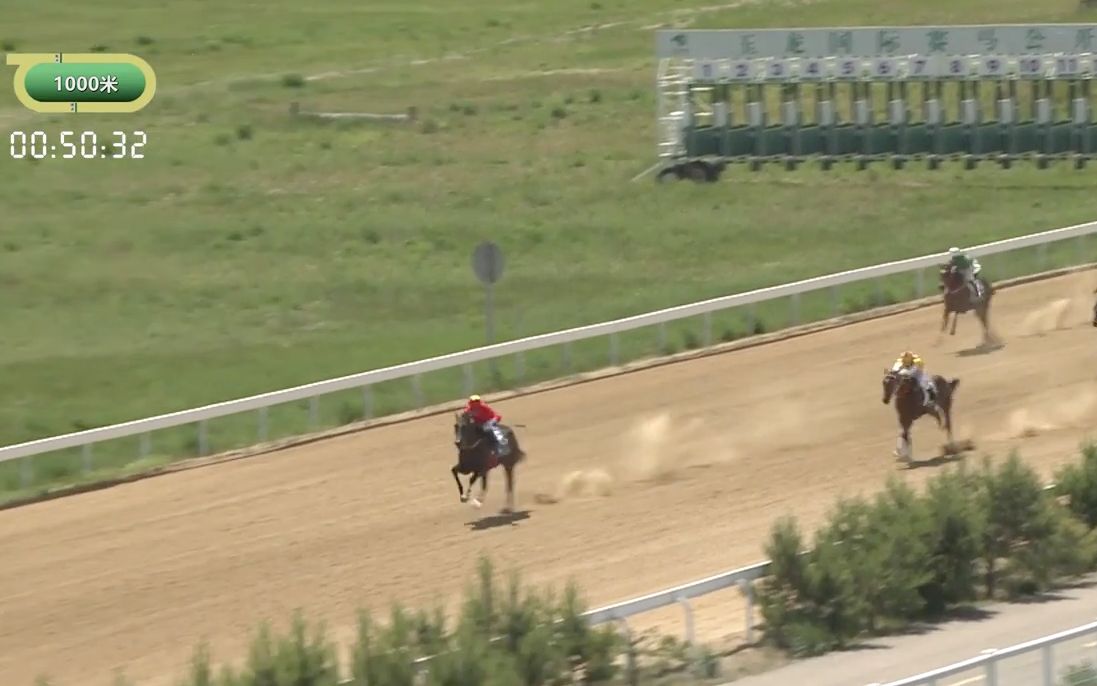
(910, 406)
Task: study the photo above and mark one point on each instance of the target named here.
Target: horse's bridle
(457, 441)
(898, 378)
(949, 273)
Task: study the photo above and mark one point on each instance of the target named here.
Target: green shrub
(1084, 674)
(1020, 525)
(300, 658)
(882, 563)
(1078, 483)
(384, 656)
(809, 603)
(512, 636)
(955, 525)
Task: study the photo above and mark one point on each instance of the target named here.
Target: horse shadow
(938, 461)
(951, 453)
(498, 520)
(981, 349)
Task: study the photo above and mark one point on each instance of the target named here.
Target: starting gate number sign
(868, 43)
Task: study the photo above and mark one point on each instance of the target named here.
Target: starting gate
(895, 94)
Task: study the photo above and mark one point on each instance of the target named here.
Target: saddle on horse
(498, 434)
(925, 383)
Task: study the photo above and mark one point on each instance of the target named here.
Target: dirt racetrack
(132, 577)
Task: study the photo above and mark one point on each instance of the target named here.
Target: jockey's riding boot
(501, 446)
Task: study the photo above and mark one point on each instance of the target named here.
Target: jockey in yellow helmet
(911, 363)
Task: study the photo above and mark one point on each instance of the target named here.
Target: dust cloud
(1078, 412)
(656, 450)
(1062, 313)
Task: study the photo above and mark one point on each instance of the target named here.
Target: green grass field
(251, 251)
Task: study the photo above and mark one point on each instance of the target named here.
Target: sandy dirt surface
(664, 476)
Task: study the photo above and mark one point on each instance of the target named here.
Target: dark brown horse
(959, 299)
(910, 406)
(476, 455)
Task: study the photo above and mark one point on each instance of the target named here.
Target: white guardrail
(1043, 667)
(364, 380)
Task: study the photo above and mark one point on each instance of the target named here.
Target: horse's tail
(516, 448)
(948, 385)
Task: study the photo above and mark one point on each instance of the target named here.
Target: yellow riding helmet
(474, 399)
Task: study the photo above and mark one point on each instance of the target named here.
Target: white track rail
(413, 370)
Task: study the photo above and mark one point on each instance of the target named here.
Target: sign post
(487, 264)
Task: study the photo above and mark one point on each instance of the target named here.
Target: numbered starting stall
(891, 94)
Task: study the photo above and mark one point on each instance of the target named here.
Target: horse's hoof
(464, 498)
(475, 503)
(506, 511)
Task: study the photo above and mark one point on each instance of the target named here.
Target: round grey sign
(487, 262)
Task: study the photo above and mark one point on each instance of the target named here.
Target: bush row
(503, 636)
(879, 564)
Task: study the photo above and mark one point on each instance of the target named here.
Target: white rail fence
(743, 578)
(619, 613)
(1040, 662)
(465, 359)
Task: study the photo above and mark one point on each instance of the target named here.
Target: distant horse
(910, 406)
(476, 455)
(959, 299)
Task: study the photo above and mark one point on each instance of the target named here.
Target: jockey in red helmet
(488, 419)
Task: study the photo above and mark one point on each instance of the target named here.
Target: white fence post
(520, 366)
(470, 382)
(688, 610)
(746, 588)
(1048, 664)
(992, 671)
(263, 426)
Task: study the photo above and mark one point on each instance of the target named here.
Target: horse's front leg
(483, 476)
(460, 488)
(468, 493)
(955, 316)
(902, 444)
(944, 319)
